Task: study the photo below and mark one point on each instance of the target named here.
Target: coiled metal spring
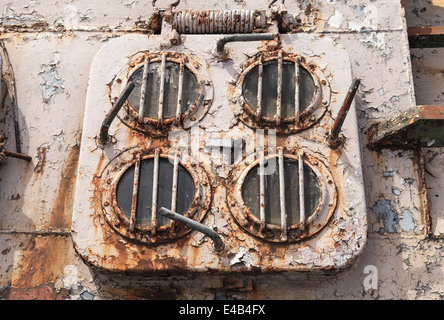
(219, 21)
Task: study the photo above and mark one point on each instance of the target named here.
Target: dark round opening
(172, 70)
(269, 88)
(251, 191)
(124, 192)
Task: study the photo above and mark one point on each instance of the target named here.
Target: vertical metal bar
(143, 90)
(333, 139)
(262, 190)
(179, 91)
(259, 90)
(296, 92)
(301, 191)
(174, 187)
(279, 91)
(135, 192)
(155, 188)
(282, 195)
(162, 88)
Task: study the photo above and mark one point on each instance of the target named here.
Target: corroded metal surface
(103, 235)
(37, 199)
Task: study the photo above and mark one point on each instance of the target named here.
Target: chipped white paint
(335, 21)
(374, 36)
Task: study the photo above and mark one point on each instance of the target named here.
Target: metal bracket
(421, 126)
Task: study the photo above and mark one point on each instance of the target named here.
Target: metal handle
(219, 51)
(333, 139)
(218, 244)
(103, 136)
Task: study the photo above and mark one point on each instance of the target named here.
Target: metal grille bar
(259, 89)
(143, 91)
(179, 92)
(135, 192)
(282, 194)
(279, 91)
(296, 92)
(155, 191)
(162, 88)
(174, 187)
(262, 190)
(301, 191)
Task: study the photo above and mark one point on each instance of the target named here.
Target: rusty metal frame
(123, 225)
(271, 232)
(158, 127)
(417, 126)
(301, 120)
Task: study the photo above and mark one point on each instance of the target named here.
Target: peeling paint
(406, 222)
(53, 83)
(38, 260)
(385, 213)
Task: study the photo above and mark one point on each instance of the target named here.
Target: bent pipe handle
(103, 135)
(220, 45)
(218, 244)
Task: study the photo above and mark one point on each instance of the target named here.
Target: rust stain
(424, 203)
(40, 166)
(41, 261)
(62, 207)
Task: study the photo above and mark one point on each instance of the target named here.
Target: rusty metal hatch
(198, 114)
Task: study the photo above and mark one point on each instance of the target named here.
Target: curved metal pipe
(103, 135)
(220, 45)
(218, 244)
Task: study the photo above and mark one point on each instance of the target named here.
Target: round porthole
(281, 91)
(170, 90)
(138, 183)
(283, 197)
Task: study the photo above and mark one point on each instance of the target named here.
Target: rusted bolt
(272, 45)
(174, 38)
(106, 203)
